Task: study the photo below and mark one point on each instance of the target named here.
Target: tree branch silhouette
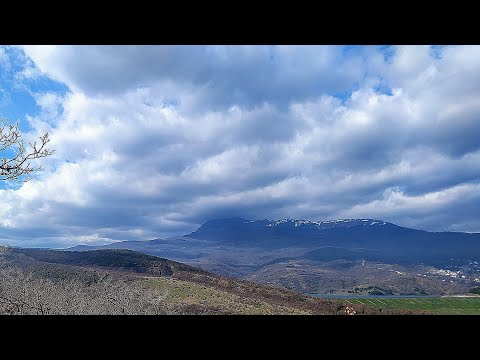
(18, 166)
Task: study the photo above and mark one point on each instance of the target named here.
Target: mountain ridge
(323, 256)
(346, 222)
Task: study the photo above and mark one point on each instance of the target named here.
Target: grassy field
(442, 306)
(178, 291)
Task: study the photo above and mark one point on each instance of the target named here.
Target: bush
(475, 290)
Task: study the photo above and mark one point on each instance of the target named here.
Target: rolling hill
(126, 282)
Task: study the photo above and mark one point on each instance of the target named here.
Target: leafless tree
(22, 291)
(17, 166)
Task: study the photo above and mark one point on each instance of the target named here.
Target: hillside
(339, 256)
(127, 282)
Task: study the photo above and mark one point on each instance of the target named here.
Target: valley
(342, 256)
(237, 266)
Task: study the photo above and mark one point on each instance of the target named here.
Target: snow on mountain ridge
(347, 222)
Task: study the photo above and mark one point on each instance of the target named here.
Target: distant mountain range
(313, 256)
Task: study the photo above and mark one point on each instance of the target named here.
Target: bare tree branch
(18, 166)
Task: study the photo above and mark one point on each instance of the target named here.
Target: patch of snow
(277, 222)
(324, 224)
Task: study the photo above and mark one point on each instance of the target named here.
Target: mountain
(372, 239)
(36, 281)
(327, 256)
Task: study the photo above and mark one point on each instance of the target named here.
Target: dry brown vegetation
(127, 282)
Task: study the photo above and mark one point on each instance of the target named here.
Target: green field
(443, 306)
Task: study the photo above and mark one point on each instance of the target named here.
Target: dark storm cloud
(220, 75)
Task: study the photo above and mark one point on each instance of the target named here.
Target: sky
(152, 141)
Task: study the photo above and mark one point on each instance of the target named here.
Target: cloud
(4, 59)
(426, 210)
(153, 141)
(203, 77)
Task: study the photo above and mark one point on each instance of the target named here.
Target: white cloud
(151, 143)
